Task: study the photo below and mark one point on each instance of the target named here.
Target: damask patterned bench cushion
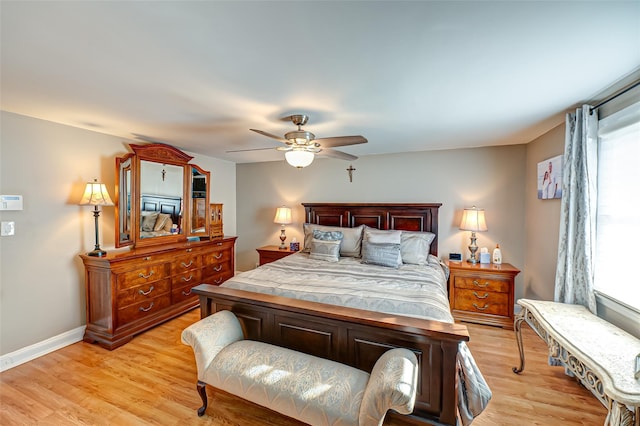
(311, 389)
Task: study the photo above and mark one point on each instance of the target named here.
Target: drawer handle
(217, 268)
(141, 275)
(186, 265)
(476, 283)
(481, 308)
(218, 281)
(189, 250)
(219, 244)
(187, 293)
(187, 279)
(145, 293)
(146, 309)
(481, 297)
(146, 258)
(217, 256)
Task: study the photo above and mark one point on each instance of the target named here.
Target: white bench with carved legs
(599, 354)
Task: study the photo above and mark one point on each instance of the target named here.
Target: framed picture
(550, 178)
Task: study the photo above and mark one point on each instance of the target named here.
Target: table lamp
(95, 194)
(473, 220)
(283, 217)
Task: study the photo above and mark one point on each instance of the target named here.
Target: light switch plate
(8, 228)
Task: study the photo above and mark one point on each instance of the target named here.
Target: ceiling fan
(301, 146)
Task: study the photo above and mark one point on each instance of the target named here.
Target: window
(618, 215)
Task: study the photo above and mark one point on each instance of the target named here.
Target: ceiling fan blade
(251, 149)
(341, 141)
(269, 135)
(337, 154)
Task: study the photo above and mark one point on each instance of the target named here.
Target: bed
(159, 214)
(352, 312)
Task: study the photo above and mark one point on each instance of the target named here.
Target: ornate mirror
(161, 197)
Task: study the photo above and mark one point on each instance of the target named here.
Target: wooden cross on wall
(350, 170)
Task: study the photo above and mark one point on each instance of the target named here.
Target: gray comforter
(411, 290)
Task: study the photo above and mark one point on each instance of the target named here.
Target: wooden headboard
(402, 216)
(162, 204)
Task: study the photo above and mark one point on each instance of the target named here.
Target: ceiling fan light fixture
(299, 158)
(300, 137)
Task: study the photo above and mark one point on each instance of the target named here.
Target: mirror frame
(158, 153)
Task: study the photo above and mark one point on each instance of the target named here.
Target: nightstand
(270, 253)
(482, 293)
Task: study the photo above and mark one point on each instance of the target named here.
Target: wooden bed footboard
(351, 336)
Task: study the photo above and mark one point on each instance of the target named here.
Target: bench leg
(517, 327)
(202, 391)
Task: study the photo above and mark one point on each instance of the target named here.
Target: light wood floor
(151, 380)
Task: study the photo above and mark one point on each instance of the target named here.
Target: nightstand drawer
(481, 283)
(482, 302)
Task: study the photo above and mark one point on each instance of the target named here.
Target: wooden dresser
(482, 293)
(130, 291)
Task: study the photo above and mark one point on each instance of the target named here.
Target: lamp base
(473, 248)
(283, 237)
(97, 252)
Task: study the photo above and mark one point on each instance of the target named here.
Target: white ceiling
(409, 76)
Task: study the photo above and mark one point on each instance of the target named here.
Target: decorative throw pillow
(379, 236)
(415, 247)
(327, 250)
(327, 235)
(382, 254)
(149, 221)
(351, 240)
(161, 221)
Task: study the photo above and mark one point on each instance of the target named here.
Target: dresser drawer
(186, 278)
(210, 276)
(145, 275)
(185, 263)
(143, 292)
(481, 283)
(482, 301)
(216, 257)
(182, 293)
(144, 309)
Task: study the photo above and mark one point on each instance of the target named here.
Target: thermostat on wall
(10, 202)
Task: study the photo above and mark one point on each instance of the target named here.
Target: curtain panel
(576, 245)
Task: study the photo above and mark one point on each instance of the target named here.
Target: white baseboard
(39, 349)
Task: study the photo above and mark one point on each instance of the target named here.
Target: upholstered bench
(310, 389)
(598, 353)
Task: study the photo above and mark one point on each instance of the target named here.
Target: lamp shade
(95, 194)
(299, 158)
(473, 220)
(283, 216)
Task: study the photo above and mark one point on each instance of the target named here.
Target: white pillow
(415, 247)
(381, 236)
(351, 238)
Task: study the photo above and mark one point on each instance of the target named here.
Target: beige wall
(491, 178)
(542, 220)
(41, 275)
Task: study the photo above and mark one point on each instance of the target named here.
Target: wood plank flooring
(151, 380)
